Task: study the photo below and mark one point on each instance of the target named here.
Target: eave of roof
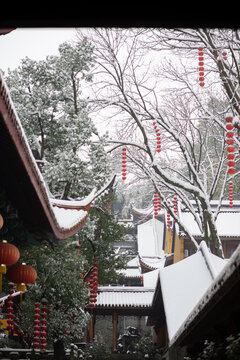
(222, 285)
(24, 154)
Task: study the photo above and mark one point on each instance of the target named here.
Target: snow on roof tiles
(185, 282)
(227, 223)
(150, 238)
(65, 217)
(130, 296)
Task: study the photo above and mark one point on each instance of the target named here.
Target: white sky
(35, 43)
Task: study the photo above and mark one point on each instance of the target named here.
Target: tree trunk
(59, 351)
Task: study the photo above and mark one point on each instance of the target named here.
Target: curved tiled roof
(61, 217)
(120, 296)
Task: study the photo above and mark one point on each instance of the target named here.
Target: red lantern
(22, 273)
(230, 149)
(229, 126)
(229, 119)
(230, 134)
(231, 156)
(231, 171)
(230, 141)
(9, 254)
(231, 163)
(1, 221)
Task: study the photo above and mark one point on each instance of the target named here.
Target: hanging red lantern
(229, 119)
(231, 156)
(230, 134)
(230, 149)
(22, 273)
(1, 221)
(229, 126)
(231, 163)
(232, 171)
(9, 255)
(230, 141)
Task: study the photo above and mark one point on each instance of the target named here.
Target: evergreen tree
(48, 98)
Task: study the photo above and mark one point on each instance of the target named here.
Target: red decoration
(231, 171)
(124, 166)
(9, 254)
(43, 333)
(22, 273)
(224, 55)
(230, 194)
(175, 205)
(201, 66)
(229, 119)
(10, 315)
(36, 329)
(168, 219)
(231, 156)
(94, 283)
(158, 138)
(230, 149)
(157, 204)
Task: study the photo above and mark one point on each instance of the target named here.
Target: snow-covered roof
(121, 296)
(150, 278)
(223, 277)
(184, 283)
(132, 269)
(153, 262)
(227, 224)
(65, 217)
(150, 238)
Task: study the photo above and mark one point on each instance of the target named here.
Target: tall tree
(146, 89)
(49, 98)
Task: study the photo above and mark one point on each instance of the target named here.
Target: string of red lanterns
(175, 206)
(124, 164)
(43, 333)
(231, 156)
(224, 55)
(10, 314)
(168, 218)
(36, 328)
(94, 283)
(201, 66)
(157, 204)
(158, 137)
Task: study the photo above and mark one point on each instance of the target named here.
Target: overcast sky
(36, 43)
